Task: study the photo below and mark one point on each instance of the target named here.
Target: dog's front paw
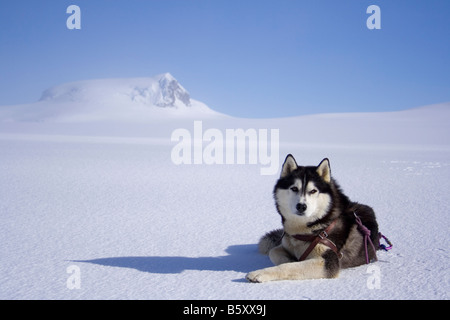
(259, 276)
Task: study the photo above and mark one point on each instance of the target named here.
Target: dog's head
(303, 194)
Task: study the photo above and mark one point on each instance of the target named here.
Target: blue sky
(249, 58)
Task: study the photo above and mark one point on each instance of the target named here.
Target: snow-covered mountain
(162, 91)
(111, 99)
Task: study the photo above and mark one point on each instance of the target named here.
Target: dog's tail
(270, 240)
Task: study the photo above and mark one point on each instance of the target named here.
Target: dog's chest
(297, 247)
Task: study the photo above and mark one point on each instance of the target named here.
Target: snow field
(140, 227)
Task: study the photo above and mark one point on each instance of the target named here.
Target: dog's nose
(301, 207)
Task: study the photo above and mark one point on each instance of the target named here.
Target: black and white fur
(308, 200)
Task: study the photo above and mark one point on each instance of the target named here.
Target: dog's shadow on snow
(240, 258)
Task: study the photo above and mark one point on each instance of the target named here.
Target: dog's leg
(309, 269)
(279, 255)
(325, 266)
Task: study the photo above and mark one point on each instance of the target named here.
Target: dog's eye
(312, 191)
(294, 189)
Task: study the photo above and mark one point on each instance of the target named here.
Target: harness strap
(383, 246)
(322, 238)
(366, 233)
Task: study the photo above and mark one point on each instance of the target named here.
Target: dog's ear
(289, 165)
(323, 169)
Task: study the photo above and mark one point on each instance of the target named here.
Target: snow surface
(104, 196)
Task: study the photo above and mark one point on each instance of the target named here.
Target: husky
(321, 233)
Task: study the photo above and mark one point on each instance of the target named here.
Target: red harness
(322, 238)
